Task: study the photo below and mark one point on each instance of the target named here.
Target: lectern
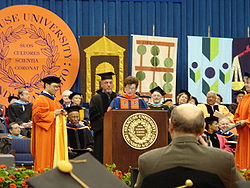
(129, 133)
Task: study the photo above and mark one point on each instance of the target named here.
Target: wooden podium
(116, 149)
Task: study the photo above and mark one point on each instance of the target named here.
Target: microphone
(229, 128)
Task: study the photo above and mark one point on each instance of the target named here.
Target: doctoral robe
(242, 154)
(43, 130)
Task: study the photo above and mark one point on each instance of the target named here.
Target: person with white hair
(210, 107)
(66, 102)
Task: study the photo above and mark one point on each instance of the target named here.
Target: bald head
(187, 118)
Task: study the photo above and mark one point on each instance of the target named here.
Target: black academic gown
(99, 104)
(79, 138)
(20, 113)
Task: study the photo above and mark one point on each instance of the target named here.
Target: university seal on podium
(140, 131)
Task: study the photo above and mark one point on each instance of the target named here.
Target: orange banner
(34, 43)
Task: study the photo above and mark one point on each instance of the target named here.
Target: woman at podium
(128, 100)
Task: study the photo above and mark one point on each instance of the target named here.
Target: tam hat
(158, 89)
(51, 79)
(73, 109)
(73, 94)
(106, 75)
(86, 168)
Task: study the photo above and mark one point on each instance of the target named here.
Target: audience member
(242, 114)
(66, 102)
(224, 124)
(129, 100)
(193, 100)
(157, 95)
(183, 97)
(80, 138)
(217, 140)
(76, 99)
(238, 96)
(219, 99)
(210, 107)
(186, 125)
(15, 131)
(20, 112)
(99, 104)
(44, 111)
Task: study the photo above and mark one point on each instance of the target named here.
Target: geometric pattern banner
(154, 63)
(241, 63)
(210, 67)
(100, 54)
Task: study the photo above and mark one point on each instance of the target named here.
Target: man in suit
(186, 125)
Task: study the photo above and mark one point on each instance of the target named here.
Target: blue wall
(227, 18)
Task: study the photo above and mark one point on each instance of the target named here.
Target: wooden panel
(116, 150)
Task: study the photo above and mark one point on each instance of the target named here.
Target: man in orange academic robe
(242, 115)
(45, 109)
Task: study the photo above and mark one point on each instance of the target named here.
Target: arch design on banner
(97, 50)
(35, 43)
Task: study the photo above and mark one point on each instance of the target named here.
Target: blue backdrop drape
(227, 18)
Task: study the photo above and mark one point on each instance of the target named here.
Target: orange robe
(43, 131)
(242, 154)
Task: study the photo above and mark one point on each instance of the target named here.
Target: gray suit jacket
(187, 152)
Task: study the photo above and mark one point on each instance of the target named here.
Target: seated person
(80, 138)
(183, 97)
(128, 100)
(186, 125)
(157, 95)
(65, 101)
(76, 99)
(217, 140)
(15, 131)
(224, 123)
(20, 112)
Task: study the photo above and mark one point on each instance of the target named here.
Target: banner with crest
(154, 63)
(209, 67)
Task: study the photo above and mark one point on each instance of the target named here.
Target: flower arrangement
(246, 174)
(124, 176)
(16, 177)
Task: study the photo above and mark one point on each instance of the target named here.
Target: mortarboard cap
(12, 97)
(51, 79)
(158, 88)
(73, 109)
(239, 92)
(186, 92)
(106, 75)
(178, 176)
(73, 94)
(91, 172)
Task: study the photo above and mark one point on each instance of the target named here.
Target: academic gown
(128, 102)
(43, 130)
(79, 137)
(242, 154)
(98, 106)
(20, 112)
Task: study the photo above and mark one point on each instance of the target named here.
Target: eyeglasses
(130, 88)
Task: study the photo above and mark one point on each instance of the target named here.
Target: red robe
(43, 131)
(242, 154)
